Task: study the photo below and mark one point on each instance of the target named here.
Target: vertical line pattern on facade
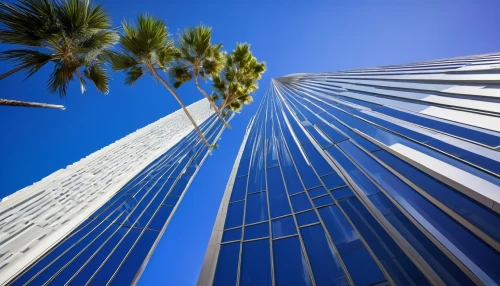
(390, 121)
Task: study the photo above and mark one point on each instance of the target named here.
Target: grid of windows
(363, 178)
(112, 245)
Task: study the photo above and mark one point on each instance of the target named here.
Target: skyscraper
(376, 176)
(99, 220)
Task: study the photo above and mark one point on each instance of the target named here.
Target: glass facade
(383, 176)
(113, 245)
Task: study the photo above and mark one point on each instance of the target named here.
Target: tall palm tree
(72, 34)
(198, 58)
(239, 79)
(146, 48)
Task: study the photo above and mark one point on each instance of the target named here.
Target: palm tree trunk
(172, 91)
(217, 112)
(9, 102)
(11, 72)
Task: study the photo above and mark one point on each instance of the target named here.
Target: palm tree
(198, 58)
(239, 79)
(146, 48)
(72, 34)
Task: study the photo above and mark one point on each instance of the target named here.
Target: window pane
(324, 263)
(333, 181)
(320, 164)
(323, 201)
(468, 208)
(256, 208)
(256, 263)
(257, 231)
(334, 135)
(342, 193)
(234, 215)
(160, 218)
(292, 180)
(104, 274)
(227, 264)
(395, 261)
(317, 192)
(239, 189)
(342, 233)
(278, 198)
(307, 218)
(84, 275)
(362, 267)
(171, 201)
(290, 267)
(283, 227)
(230, 235)
(134, 260)
(300, 202)
(322, 140)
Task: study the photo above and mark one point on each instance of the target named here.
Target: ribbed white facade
(37, 217)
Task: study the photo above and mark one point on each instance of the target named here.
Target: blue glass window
(232, 234)
(115, 258)
(278, 198)
(395, 261)
(342, 193)
(70, 270)
(362, 267)
(322, 140)
(135, 259)
(290, 266)
(325, 266)
(317, 192)
(356, 175)
(333, 181)
(306, 218)
(257, 231)
(239, 189)
(160, 218)
(334, 135)
(319, 163)
(300, 202)
(171, 201)
(234, 215)
(256, 263)
(292, 180)
(283, 227)
(256, 208)
(468, 208)
(342, 233)
(322, 201)
(227, 265)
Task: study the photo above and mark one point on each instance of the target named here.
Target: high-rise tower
(379, 176)
(98, 220)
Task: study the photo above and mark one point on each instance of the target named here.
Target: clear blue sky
(291, 36)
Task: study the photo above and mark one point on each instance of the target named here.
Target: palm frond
(122, 61)
(145, 38)
(132, 75)
(180, 73)
(29, 60)
(99, 76)
(28, 23)
(60, 77)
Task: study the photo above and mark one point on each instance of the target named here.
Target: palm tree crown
(72, 34)
(146, 48)
(239, 78)
(198, 58)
